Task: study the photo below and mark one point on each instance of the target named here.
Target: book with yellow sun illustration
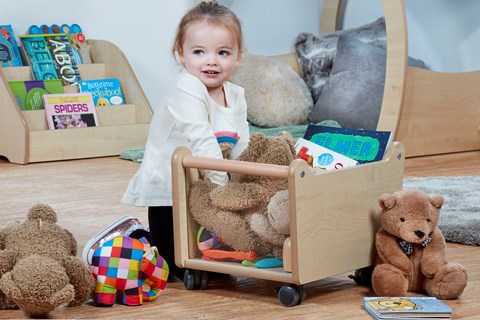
(406, 308)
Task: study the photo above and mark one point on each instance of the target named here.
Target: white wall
(444, 33)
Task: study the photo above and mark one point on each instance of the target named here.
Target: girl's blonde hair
(213, 13)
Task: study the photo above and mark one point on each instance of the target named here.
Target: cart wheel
(363, 276)
(201, 279)
(290, 295)
(195, 279)
(189, 279)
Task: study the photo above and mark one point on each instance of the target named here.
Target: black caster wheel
(290, 295)
(363, 276)
(195, 279)
(189, 279)
(201, 279)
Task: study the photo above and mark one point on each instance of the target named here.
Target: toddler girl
(204, 112)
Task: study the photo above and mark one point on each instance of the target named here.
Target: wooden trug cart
(333, 219)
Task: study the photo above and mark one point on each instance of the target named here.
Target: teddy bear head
(279, 150)
(41, 223)
(411, 215)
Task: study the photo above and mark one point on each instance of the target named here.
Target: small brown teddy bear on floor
(227, 210)
(411, 248)
(39, 270)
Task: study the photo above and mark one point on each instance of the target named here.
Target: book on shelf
(75, 35)
(105, 92)
(9, 53)
(29, 93)
(320, 157)
(405, 308)
(361, 145)
(50, 56)
(70, 110)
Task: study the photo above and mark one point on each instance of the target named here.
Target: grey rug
(460, 214)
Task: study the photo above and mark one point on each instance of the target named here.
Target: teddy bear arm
(9, 287)
(390, 252)
(433, 257)
(260, 224)
(8, 259)
(3, 235)
(239, 196)
(70, 242)
(80, 277)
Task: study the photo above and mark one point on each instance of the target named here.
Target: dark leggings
(160, 220)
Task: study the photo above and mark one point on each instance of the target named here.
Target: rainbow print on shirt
(226, 140)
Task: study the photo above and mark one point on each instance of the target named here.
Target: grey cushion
(316, 54)
(353, 93)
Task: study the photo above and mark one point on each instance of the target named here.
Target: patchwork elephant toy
(123, 267)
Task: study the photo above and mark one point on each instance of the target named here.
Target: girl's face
(210, 53)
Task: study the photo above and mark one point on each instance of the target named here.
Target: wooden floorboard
(86, 195)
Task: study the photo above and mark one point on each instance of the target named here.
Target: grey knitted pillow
(316, 54)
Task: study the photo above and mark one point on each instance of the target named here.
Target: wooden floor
(86, 195)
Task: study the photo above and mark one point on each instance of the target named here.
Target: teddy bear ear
(257, 136)
(386, 201)
(436, 200)
(256, 143)
(285, 135)
(42, 211)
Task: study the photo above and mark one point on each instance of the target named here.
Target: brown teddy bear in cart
(238, 212)
(411, 248)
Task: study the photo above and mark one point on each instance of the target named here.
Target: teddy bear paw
(6, 303)
(449, 282)
(388, 280)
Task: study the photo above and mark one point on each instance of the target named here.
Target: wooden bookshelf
(25, 137)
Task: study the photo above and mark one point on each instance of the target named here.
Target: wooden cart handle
(243, 167)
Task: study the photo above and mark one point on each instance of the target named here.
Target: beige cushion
(276, 95)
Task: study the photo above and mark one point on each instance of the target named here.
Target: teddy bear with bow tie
(411, 248)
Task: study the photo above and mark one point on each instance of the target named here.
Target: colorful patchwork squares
(122, 266)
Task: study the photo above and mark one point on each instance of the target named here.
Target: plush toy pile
(39, 269)
(238, 213)
(411, 248)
